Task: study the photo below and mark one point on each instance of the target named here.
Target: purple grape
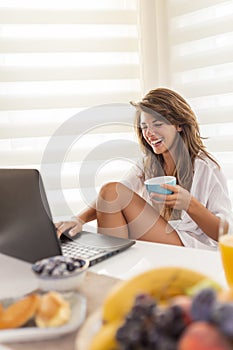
(147, 327)
(222, 316)
(170, 321)
(202, 305)
(139, 322)
(57, 265)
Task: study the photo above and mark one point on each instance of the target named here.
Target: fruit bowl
(60, 273)
(171, 306)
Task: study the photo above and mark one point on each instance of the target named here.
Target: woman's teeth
(156, 142)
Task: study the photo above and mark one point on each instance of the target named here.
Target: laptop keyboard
(74, 249)
(93, 247)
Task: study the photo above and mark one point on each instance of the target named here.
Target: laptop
(27, 230)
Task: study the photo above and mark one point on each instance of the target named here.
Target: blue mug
(153, 184)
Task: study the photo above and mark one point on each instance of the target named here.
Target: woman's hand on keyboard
(74, 226)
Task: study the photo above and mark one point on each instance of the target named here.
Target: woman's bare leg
(123, 213)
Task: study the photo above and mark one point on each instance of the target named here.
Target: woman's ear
(179, 128)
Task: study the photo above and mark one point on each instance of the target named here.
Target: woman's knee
(110, 191)
(116, 194)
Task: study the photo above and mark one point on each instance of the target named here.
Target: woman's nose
(150, 130)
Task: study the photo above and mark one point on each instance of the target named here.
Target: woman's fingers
(75, 227)
(179, 199)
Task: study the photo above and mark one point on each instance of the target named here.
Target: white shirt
(209, 187)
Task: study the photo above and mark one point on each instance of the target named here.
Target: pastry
(20, 312)
(1, 309)
(53, 310)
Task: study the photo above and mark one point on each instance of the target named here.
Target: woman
(169, 136)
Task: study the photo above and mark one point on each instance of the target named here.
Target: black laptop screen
(26, 228)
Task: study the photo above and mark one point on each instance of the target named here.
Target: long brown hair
(172, 109)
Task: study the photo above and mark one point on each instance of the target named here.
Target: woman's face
(159, 135)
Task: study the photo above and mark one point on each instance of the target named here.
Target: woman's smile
(160, 135)
(157, 142)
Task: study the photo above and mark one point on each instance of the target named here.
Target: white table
(146, 255)
(17, 278)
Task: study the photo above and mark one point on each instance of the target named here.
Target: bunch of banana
(162, 284)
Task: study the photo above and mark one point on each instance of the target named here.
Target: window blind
(200, 37)
(59, 59)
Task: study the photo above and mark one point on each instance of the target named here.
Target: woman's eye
(154, 125)
(158, 125)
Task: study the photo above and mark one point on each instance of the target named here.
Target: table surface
(145, 255)
(18, 279)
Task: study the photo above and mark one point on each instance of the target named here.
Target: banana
(162, 284)
(105, 339)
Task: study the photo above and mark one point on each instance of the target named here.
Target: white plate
(90, 327)
(78, 314)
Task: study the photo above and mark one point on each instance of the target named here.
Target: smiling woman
(170, 139)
